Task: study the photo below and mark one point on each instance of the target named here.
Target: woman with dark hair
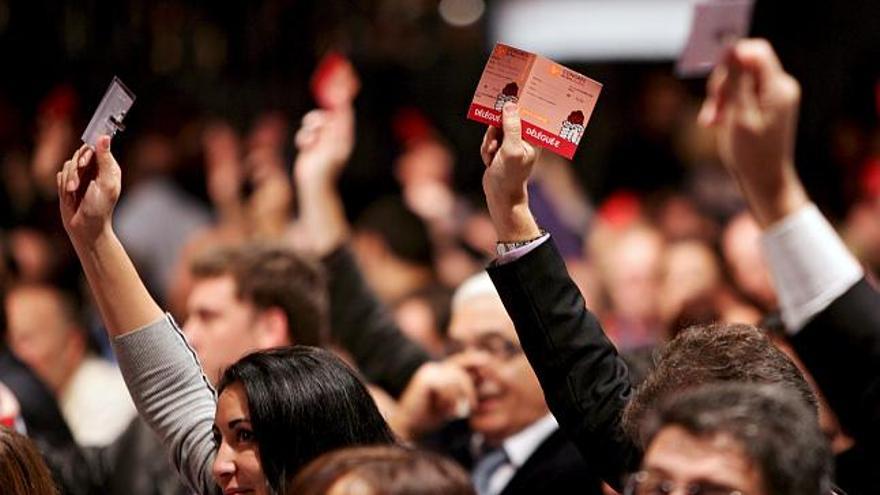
(381, 470)
(276, 410)
(22, 469)
(302, 401)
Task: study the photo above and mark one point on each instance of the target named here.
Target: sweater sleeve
(172, 395)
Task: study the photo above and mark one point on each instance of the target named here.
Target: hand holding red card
(555, 102)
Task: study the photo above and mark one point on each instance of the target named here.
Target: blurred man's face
(741, 246)
(220, 326)
(484, 342)
(41, 337)
(717, 463)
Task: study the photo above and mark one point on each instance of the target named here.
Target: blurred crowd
(658, 239)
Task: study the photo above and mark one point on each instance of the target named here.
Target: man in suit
(513, 442)
(584, 380)
(829, 309)
(509, 438)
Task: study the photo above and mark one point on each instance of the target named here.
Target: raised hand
(224, 173)
(324, 144)
(88, 190)
(509, 162)
(753, 105)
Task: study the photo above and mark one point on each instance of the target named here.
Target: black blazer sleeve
(841, 348)
(585, 382)
(363, 326)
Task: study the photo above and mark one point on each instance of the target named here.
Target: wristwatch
(503, 248)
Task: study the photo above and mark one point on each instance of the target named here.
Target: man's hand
(324, 144)
(509, 161)
(437, 393)
(753, 104)
(86, 215)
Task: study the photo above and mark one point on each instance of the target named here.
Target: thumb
(511, 124)
(103, 155)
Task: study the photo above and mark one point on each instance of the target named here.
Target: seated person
(828, 307)
(258, 433)
(512, 441)
(734, 438)
(513, 444)
(382, 470)
(584, 380)
(22, 469)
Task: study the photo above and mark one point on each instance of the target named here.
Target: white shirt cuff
(517, 253)
(810, 265)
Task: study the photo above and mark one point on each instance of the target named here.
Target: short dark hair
(719, 352)
(22, 469)
(273, 275)
(389, 470)
(405, 233)
(304, 401)
(772, 424)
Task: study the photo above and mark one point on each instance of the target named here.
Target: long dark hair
(304, 401)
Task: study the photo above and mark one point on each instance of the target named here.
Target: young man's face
(220, 326)
(717, 463)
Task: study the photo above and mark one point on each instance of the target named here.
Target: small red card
(555, 102)
(335, 81)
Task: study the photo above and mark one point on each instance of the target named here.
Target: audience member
(167, 384)
(45, 334)
(827, 305)
(385, 470)
(734, 438)
(22, 469)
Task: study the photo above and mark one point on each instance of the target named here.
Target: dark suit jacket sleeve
(585, 382)
(841, 348)
(363, 326)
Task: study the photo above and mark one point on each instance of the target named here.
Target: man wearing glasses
(516, 445)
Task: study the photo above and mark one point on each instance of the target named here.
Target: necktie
(486, 467)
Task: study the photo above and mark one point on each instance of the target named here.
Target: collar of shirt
(520, 446)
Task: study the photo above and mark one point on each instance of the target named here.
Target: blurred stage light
(590, 30)
(460, 13)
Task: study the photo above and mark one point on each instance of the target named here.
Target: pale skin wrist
(771, 203)
(513, 221)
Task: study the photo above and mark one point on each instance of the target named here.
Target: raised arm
(361, 324)
(86, 211)
(585, 382)
(831, 312)
(160, 370)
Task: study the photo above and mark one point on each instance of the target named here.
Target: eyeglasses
(645, 483)
(491, 344)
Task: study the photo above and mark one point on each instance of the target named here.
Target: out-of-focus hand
(268, 207)
(509, 162)
(223, 168)
(54, 141)
(753, 105)
(438, 392)
(87, 203)
(324, 144)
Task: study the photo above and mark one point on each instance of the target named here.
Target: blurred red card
(335, 81)
(555, 102)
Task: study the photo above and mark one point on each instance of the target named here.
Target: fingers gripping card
(555, 103)
(110, 113)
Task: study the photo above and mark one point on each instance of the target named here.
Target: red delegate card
(555, 102)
